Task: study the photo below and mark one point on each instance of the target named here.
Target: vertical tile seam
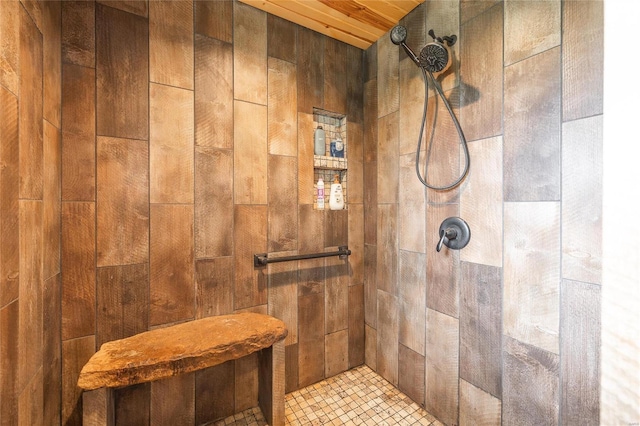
(459, 197)
(95, 179)
(193, 174)
(560, 255)
(148, 173)
(502, 273)
(59, 288)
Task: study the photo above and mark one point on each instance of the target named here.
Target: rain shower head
(434, 57)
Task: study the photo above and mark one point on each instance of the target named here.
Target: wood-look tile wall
(508, 330)
(186, 139)
(142, 143)
(30, 212)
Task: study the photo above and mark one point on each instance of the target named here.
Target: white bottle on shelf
(336, 200)
(320, 194)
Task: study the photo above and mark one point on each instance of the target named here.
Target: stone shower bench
(183, 348)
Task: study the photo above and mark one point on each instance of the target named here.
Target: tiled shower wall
(30, 161)
(177, 141)
(519, 307)
(507, 329)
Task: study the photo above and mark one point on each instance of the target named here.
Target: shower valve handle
(454, 233)
(449, 234)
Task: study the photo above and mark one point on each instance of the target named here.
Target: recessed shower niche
(334, 160)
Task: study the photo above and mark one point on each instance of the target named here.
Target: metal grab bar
(262, 259)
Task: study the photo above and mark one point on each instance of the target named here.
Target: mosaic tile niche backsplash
(328, 166)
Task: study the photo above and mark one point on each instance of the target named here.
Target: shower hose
(465, 148)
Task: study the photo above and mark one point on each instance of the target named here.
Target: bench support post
(98, 407)
(271, 383)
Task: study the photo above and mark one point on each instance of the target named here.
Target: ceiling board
(356, 22)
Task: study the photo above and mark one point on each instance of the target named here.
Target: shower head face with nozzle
(398, 34)
(434, 57)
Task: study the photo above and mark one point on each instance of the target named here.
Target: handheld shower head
(398, 37)
(398, 34)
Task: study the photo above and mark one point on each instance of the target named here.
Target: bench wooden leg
(98, 407)
(271, 383)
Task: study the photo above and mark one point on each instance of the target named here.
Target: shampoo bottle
(336, 200)
(320, 194)
(318, 141)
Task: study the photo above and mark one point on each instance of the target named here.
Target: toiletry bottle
(339, 148)
(318, 141)
(320, 194)
(336, 200)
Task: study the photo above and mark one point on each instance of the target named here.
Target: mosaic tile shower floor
(355, 397)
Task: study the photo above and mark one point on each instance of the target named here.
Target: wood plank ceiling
(356, 22)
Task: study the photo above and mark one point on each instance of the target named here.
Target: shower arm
(451, 40)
